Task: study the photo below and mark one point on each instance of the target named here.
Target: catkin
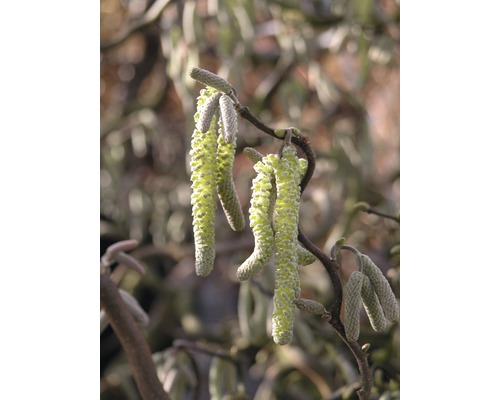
(311, 306)
(253, 154)
(259, 219)
(210, 79)
(352, 303)
(225, 184)
(305, 257)
(207, 111)
(287, 286)
(382, 288)
(372, 306)
(203, 196)
(229, 121)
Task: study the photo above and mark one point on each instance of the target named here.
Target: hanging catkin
(352, 303)
(287, 287)
(382, 288)
(225, 183)
(259, 219)
(203, 197)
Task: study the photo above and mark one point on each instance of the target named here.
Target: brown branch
(132, 341)
(364, 368)
(381, 214)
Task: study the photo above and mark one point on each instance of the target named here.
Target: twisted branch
(330, 264)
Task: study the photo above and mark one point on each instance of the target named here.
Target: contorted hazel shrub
(273, 215)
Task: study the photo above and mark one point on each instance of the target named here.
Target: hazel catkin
(287, 287)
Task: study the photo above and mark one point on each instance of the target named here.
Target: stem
(364, 369)
(132, 341)
(381, 214)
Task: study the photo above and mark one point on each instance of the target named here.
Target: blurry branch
(150, 17)
(130, 109)
(200, 348)
(271, 82)
(381, 214)
(365, 207)
(189, 346)
(120, 317)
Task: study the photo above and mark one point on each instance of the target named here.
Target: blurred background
(330, 68)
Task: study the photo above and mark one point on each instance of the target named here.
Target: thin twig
(381, 214)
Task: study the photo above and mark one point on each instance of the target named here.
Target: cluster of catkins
(369, 287)
(274, 215)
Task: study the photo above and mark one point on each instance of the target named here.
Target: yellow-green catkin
(352, 304)
(203, 197)
(287, 287)
(372, 306)
(382, 288)
(225, 183)
(259, 218)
